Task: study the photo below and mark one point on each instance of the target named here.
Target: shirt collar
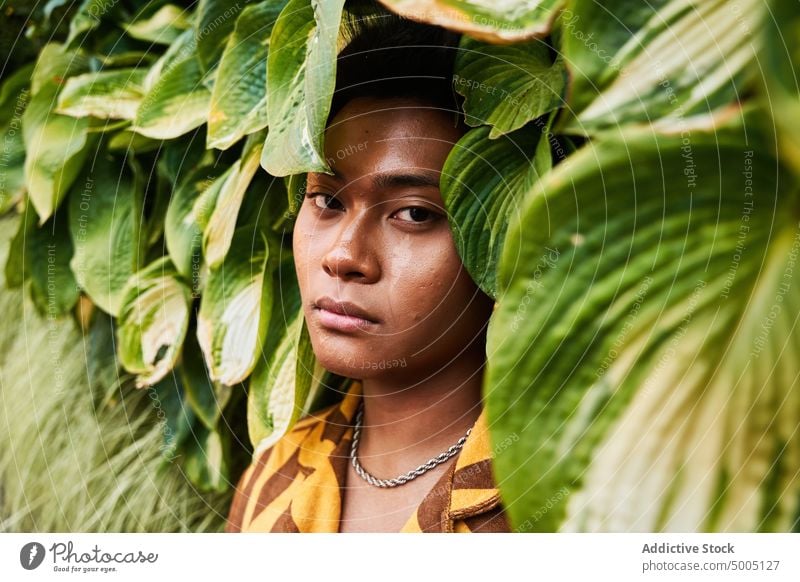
(473, 488)
(466, 490)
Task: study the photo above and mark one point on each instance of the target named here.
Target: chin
(357, 363)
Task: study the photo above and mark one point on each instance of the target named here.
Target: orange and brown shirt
(297, 485)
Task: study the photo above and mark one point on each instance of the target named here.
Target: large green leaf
(88, 18)
(668, 60)
(14, 97)
(285, 381)
(41, 254)
(180, 157)
(218, 233)
(130, 141)
(55, 64)
(105, 212)
(239, 98)
(182, 47)
(235, 308)
(176, 100)
(108, 94)
(214, 22)
(206, 462)
(301, 77)
(295, 190)
(15, 268)
(56, 145)
(206, 397)
(644, 350)
(781, 65)
(48, 251)
(152, 322)
(488, 20)
(507, 86)
(188, 214)
(482, 183)
(174, 415)
(164, 26)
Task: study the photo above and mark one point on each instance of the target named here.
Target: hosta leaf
(781, 62)
(177, 102)
(643, 352)
(239, 97)
(102, 365)
(56, 145)
(301, 77)
(14, 97)
(635, 62)
(188, 214)
(219, 231)
(295, 190)
(127, 140)
(153, 321)
(163, 27)
(507, 86)
(206, 461)
(129, 58)
(173, 413)
(177, 52)
(48, 251)
(206, 397)
(107, 94)
(105, 210)
(15, 269)
(87, 18)
(41, 254)
(488, 20)
(214, 22)
(265, 203)
(282, 386)
(55, 64)
(287, 380)
(180, 157)
(235, 308)
(482, 183)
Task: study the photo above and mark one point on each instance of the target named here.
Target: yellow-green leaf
(235, 308)
(153, 321)
(239, 98)
(301, 77)
(487, 20)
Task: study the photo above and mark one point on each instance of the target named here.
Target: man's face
(376, 236)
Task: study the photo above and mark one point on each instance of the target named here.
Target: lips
(343, 315)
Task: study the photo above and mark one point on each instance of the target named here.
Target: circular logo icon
(31, 555)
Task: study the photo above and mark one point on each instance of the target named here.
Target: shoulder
(267, 462)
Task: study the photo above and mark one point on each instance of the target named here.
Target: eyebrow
(389, 180)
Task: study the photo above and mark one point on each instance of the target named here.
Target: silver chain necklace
(406, 477)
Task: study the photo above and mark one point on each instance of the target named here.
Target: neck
(406, 421)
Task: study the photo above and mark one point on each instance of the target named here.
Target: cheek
(427, 279)
(303, 246)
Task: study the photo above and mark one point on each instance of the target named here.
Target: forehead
(370, 136)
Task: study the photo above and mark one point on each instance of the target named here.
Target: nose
(353, 253)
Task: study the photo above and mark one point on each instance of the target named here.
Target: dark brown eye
(324, 201)
(415, 214)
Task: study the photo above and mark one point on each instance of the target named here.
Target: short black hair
(387, 55)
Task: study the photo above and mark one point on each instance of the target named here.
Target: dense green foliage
(628, 194)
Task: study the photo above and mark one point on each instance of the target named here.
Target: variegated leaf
(218, 233)
(235, 308)
(153, 321)
(488, 20)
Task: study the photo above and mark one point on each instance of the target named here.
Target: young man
(389, 304)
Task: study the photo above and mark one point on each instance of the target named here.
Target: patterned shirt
(297, 485)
